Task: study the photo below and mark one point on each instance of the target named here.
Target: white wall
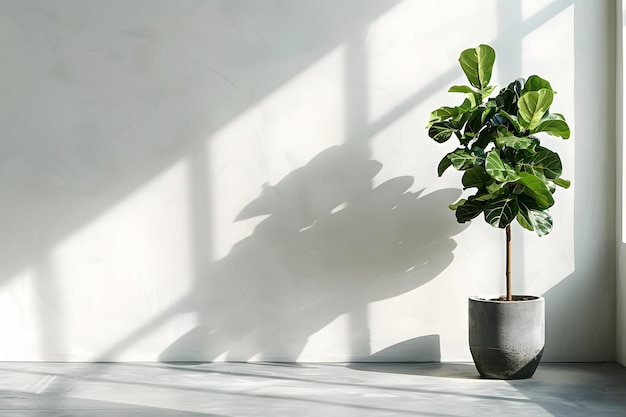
(621, 184)
(251, 180)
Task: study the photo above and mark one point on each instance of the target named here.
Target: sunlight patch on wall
(267, 142)
(547, 59)
(127, 264)
(401, 103)
(17, 310)
(332, 338)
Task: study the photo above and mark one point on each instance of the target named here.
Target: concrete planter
(506, 338)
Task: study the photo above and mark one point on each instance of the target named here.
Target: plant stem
(509, 293)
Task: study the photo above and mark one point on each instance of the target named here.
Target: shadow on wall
(332, 244)
(419, 349)
(101, 98)
(565, 342)
(114, 95)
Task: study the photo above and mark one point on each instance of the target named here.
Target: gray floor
(300, 390)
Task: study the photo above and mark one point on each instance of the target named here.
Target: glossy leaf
(474, 123)
(487, 197)
(535, 83)
(475, 177)
(523, 219)
(462, 159)
(498, 169)
(492, 121)
(513, 120)
(441, 114)
(554, 127)
(479, 153)
(541, 221)
(485, 92)
(515, 142)
(469, 210)
(444, 164)
(457, 204)
(542, 163)
(533, 219)
(513, 175)
(533, 106)
(501, 211)
(441, 131)
(528, 202)
(507, 97)
(461, 89)
(562, 182)
(477, 64)
(537, 189)
(495, 188)
(549, 161)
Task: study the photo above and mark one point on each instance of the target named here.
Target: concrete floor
(301, 390)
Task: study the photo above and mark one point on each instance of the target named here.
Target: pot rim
(496, 299)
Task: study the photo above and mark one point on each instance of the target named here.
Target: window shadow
(331, 243)
(104, 98)
(142, 92)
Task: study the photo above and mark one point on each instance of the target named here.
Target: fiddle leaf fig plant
(506, 164)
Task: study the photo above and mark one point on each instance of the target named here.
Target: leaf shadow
(332, 242)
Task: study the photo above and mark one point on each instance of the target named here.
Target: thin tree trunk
(509, 292)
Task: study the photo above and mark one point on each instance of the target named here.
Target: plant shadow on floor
(424, 355)
(433, 369)
(331, 243)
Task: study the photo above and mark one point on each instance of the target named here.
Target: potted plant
(513, 177)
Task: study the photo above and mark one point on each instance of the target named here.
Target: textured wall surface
(620, 187)
(251, 180)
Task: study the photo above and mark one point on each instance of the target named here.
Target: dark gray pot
(506, 338)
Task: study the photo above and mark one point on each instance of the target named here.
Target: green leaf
(512, 119)
(475, 177)
(541, 163)
(501, 211)
(488, 196)
(441, 131)
(506, 100)
(442, 114)
(488, 115)
(533, 106)
(537, 189)
(554, 127)
(462, 159)
(533, 219)
(474, 100)
(477, 64)
(479, 153)
(541, 221)
(474, 123)
(528, 202)
(461, 89)
(549, 161)
(523, 219)
(562, 182)
(469, 210)
(535, 83)
(496, 188)
(444, 164)
(466, 110)
(498, 169)
(483, 139)
(457, 204)
(515, 142)
(485, 92)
